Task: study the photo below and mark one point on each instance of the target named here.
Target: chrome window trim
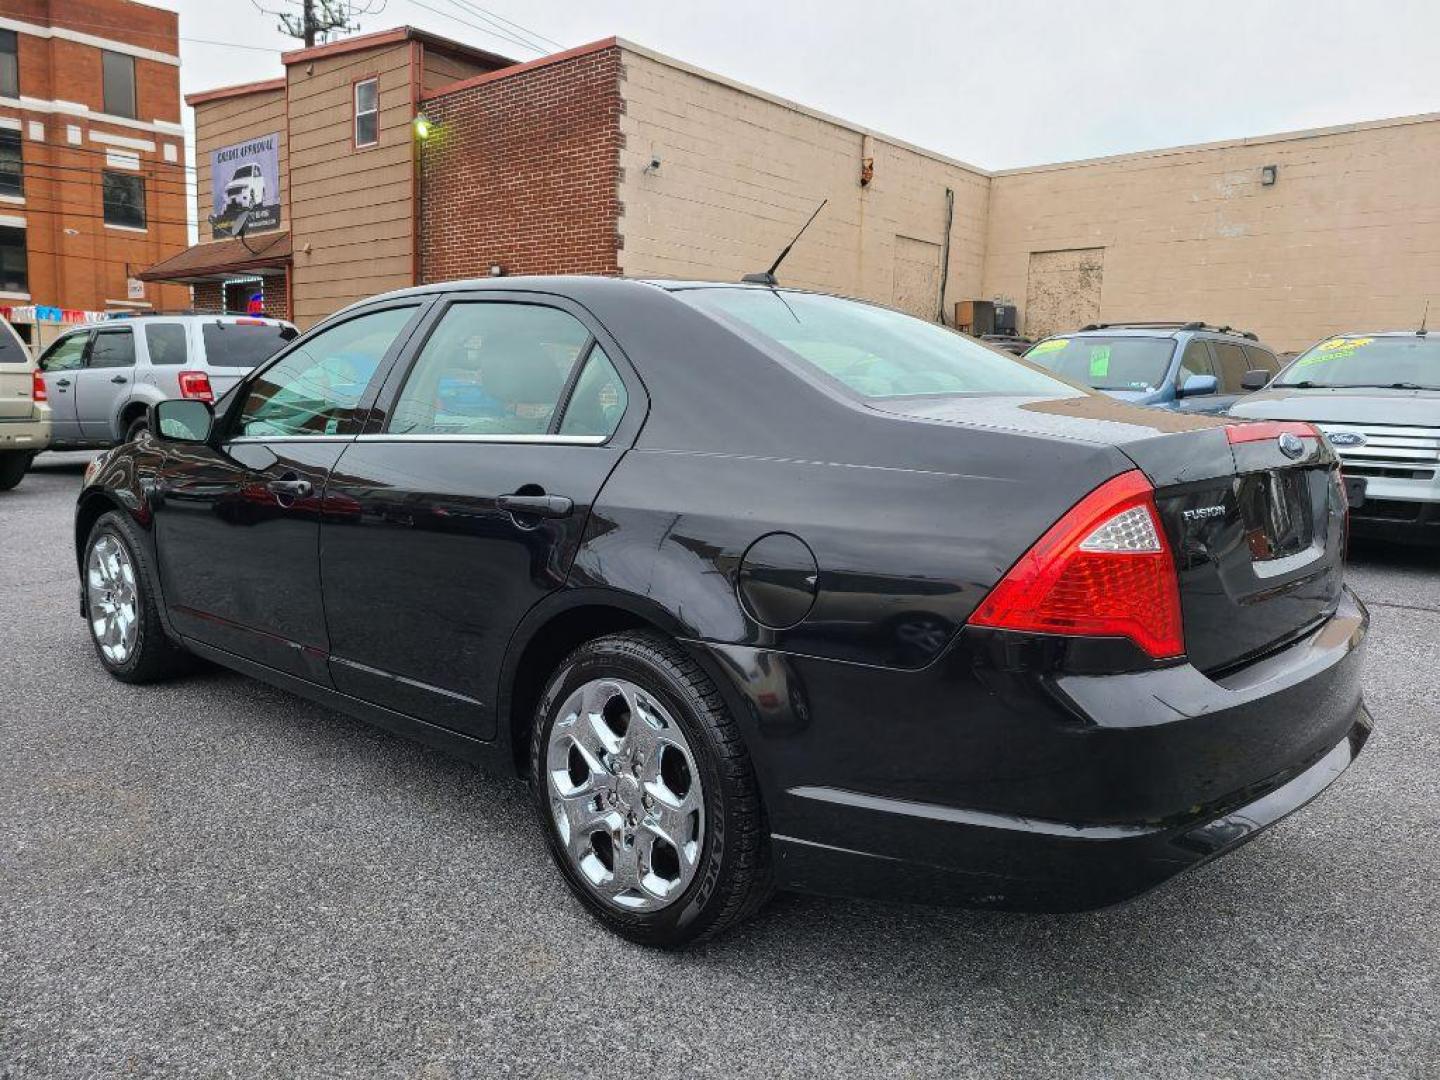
(288, 439)
(558, 440)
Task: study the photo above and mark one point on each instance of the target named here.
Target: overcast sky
(997, 83)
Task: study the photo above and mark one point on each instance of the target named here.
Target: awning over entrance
(222, 260)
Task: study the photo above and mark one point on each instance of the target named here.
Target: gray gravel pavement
(212, 878)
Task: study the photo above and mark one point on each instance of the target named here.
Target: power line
(495, 14)
(476, 26)
(524, 37)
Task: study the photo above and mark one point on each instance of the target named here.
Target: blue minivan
(1188, 367)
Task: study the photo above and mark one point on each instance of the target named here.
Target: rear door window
(167, 344)
(1233, 365)
(598, 400)
(491, 368)
(112, 349)
(243, 343)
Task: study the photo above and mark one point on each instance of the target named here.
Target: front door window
(316, 388)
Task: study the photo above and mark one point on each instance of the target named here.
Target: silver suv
(101, 379)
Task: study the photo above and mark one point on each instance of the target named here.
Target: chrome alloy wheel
(111, 598)
(625, 795)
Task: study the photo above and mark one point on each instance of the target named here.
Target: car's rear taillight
(37, 386)
(196, 385)
(1103, 570)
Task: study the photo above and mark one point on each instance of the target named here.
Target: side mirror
(182, 420)
(1199, 386)
(1256, 379)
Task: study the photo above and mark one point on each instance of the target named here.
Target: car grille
(1397, 453)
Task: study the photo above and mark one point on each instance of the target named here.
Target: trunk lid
(1258, 536)
(1259, 545)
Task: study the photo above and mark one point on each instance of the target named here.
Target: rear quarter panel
(903, 554)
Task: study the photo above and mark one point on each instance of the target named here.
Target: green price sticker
(1100, 361)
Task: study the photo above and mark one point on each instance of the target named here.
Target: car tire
(148, 655)
(13, 466)
(729, 876)
(138, 426)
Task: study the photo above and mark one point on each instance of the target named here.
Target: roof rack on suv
(1174, 324)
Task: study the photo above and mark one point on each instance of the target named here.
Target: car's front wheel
(646, 793)
(120, 606)
(138, 427)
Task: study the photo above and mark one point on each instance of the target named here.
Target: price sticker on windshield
(1100, 361)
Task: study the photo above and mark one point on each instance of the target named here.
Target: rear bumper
(30, 435)
(984, 781)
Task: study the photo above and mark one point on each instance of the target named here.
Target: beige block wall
(227, 121)
(1347, 238)
(741, 171)
(355, 208)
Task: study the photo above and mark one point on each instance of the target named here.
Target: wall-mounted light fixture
(497, 270)
(424, 127)
(1268, 175)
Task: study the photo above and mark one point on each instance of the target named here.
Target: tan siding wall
(233, 120)
(441, 69)
(355, 208)
(740, 173)
(1348, 238)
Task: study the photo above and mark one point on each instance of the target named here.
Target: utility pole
(308, 19)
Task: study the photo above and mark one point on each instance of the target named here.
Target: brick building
(92, 159)
(614, 159)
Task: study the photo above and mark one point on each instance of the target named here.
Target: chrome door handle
(291, 488)
(62, 382)
(550, 506)
(119, 379)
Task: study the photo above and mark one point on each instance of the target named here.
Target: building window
(124, 198)
(367, 112)
(9, 64)
(12, 177)
(119, 72)
(14, 276)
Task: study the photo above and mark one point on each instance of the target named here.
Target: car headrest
(519, 370)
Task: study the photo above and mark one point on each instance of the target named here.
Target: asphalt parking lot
(214, 878)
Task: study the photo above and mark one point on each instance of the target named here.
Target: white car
(246, 188)
(24, 410)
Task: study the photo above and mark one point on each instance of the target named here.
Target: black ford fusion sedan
(758, 589)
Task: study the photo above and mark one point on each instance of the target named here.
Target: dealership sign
(245, 187)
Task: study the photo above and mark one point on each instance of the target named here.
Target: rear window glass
(873, 351)
(243, 344)
(166, 344)
(1107, 363)
(11, 351)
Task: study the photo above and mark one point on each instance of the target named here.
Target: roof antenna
(1422, 331)
(767, 277)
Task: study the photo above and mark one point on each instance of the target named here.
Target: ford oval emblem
(1346, 438)
(1290, 445)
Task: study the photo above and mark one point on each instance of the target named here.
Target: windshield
(1107, 363)
(873, 351)
(1358, 360)
(243, 344)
